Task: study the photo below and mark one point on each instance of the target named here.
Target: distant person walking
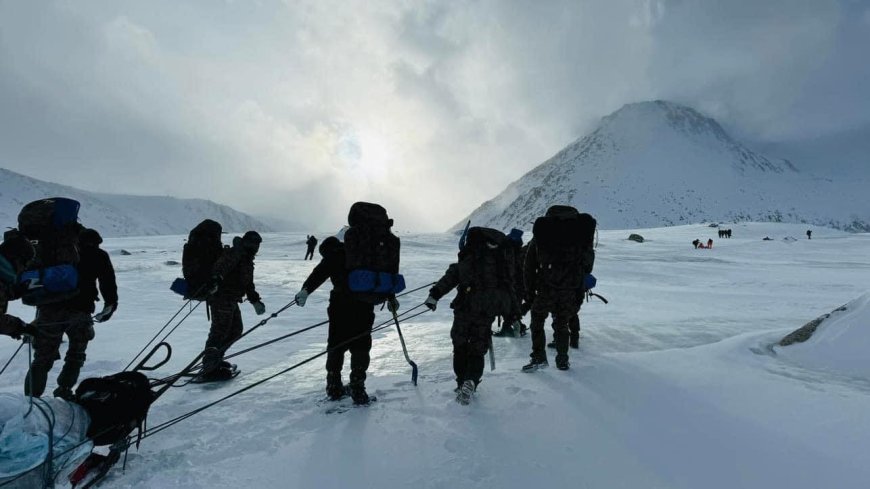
(809, 234)
(312, 244)
(710, 243)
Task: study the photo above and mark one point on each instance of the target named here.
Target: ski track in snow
(674, 386)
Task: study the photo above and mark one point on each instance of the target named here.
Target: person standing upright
(311, 242)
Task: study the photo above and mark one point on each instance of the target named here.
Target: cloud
(296, 109)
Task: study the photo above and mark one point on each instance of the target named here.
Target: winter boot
(562, 363)
(357, 387)
(211, 359)
(465, 392)
(536, 364)
(552, 344)
(507, 331)
(574, 342)
(335, 389)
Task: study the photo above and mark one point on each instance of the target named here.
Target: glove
(259, 307)
(431, 303)
(16, 327)
(212, 286)
(392, 304)
(106, 313)
(301, 297)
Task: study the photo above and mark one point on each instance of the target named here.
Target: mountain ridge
(122, 215)
(659, 163)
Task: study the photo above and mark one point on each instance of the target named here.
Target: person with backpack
(232, 281)
(809, 234)
(15, 252)
(94, 266)
(51, 280)
(484, 278)
(359, 269)
(311, 242)
(560, 255)
(513, 326)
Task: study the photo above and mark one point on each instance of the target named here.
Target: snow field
(675, 384)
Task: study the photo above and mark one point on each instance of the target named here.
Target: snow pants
(226, 328)
(349, 318)
(52, 323)
(471, 335)
(564, 307)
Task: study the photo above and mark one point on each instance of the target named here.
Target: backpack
(52, 276)
(48, 219)
(202, 250)
(561, 238)
(372, 254)
(117, 404)
(486, 272)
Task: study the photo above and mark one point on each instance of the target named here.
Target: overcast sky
(299, 108)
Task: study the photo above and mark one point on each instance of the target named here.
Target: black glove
(14, 327)
(431, 303)
(106, 313)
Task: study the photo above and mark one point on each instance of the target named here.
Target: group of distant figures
(699, 244)
(724, 233)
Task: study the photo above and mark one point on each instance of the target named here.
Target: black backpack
(561, 237)
(486, 271)
(117, 405)
(202, 250)
(371, 253)
(53, 224)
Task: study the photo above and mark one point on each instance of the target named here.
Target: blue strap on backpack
(180, 287)
(375, 282)
(589, 281)
(48, 285)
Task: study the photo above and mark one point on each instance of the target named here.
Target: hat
(90, 237)
(516, 235)
(17, 248)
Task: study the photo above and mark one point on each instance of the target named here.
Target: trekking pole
(491, 355)
(405, 349)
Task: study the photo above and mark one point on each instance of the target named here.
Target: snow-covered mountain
(660, 163)
(121, 215)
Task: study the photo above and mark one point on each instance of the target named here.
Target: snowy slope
(675, 384)
(660, 163)
(121, 215)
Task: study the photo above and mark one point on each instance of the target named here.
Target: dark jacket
(9, 325)
(235, 269)
(94, 266)
(332, 267)
(312, 242)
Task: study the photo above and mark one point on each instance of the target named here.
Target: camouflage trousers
(471, 335)
(51, 324)
(226, 328)
(564, 306)
(349, 321)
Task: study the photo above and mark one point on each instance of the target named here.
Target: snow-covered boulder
(838, 341)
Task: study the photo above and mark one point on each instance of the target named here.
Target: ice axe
(405, 348)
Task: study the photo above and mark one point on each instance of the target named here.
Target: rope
(174, 377)
(11, 358)
(164, 327)
(174, 421)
